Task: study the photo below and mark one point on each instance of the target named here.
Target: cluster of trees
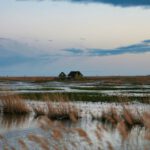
(75, 75)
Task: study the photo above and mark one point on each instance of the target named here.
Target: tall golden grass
(112, 116)
(23, 145)
(62, 111)
(58, 107)
(39, 111)
(13, 104)
(42, 141)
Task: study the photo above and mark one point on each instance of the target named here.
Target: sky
(96, 37)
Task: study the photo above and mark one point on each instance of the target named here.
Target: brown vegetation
(13, 104)
(42, 141)
(23, 144)
(129, 119)
(106, 79)
(62, 111)
(30, 79)
(39, 111)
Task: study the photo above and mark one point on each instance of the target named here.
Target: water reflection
(8, 121)
(62, 134)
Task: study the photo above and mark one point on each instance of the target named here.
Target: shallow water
(53, 87)
(14, 128)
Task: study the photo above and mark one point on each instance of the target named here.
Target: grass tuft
(13, 104)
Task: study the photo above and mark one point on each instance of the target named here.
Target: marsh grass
(126, 116)
(146, 119)
(38, 111)
(9, 121)
(58, 109)
(13, 104)
(23, 145)
(42, 141)
(57, 132)
(111, 116)
(131, 119)
(85, 97)
(56, 97)
(62, 111)
(83, 134)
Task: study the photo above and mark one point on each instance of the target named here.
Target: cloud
(123, 3)
(13, 52)
(50, 40)
(83, 39)
(75, 51)
(17, 58)
(131, 49)
(138, 48)
(9, 46)
(147, 41)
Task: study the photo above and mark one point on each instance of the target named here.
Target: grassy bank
(85, 97)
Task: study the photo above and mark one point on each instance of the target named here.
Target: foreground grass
(62, 137)
(130, 118)
(13, 104)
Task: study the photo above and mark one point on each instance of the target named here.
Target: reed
(127, 116)
(146, 119)
(57, 134)
(83, 134)
(42, 141)
(109, 116)
(13, 104)
(122, 128)
(62, 111)
(131, 119)
(23, 145)
(39, 111)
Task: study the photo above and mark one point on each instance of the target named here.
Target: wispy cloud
(131, 49)
(122, 3)
(146, 41)
(13, 52)
(75, 51)
(138, 48)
